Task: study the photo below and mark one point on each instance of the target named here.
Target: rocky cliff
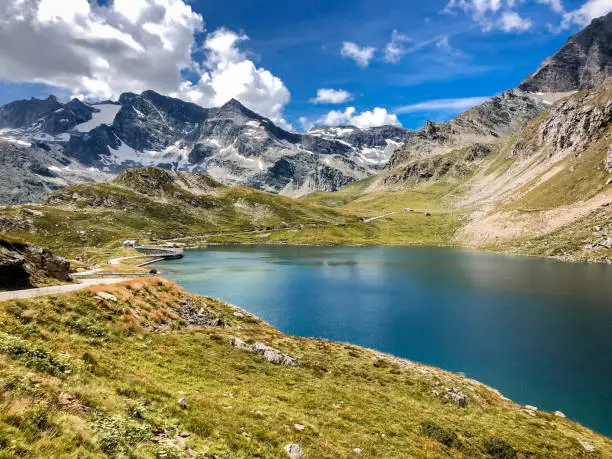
(584, 61)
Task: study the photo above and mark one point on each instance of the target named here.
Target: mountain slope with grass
(152, 200)
(544, 191)
(147, 370)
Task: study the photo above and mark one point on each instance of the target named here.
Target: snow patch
(21, 143)
(106, 115)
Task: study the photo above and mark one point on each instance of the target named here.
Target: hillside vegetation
(145, 369)
(152, 200)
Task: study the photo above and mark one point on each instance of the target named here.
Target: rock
(607, 243)
(357, 450)
(238, 314)
(195, 315)
(458, 397)
(294, 451)
(182, 402)
(582, 62)
(107, 296)
(427, 214)
(407, 209)
(587, 445)
(531, 408)
(184, 434)
(35, 213)
(272, 355)
(299, 427)
(559, 414)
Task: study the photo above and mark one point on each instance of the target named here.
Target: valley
(372, 247)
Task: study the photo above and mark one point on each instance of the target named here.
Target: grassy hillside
(167, 204)
(151, 372)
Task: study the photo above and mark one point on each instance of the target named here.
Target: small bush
(499, 448)
(447, 437)
(34, 358)
(117, 435)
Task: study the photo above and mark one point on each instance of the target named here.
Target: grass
(574, 242)
(84, 377)
(582, 177)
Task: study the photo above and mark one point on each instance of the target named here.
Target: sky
(300, 63)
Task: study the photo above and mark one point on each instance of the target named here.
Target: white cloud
(494, 14)
(361, 55)
(555, 5)
(227, 73)
(443, 105)
(511, 21)
(395, 48)
(305, 123)
(131, 45)
(376, 117)
(587, 12)
(331, 96)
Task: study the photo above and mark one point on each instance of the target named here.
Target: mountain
(231, 143)
(33, 169)
(584, 61)
(498, 117)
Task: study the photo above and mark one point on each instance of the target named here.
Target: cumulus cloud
(511, 21)
(367, 119)
(331, 96)
(228, 73)
(443, 105)
(494, 14)
(361, 55)
(99, 51)
(586, 13)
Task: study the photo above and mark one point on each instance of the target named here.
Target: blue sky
(445, 56)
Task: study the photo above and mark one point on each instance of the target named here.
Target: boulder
(294, 451)
(272, 355)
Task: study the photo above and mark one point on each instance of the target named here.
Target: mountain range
(47, 144)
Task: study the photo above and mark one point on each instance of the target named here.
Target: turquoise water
(538, 330)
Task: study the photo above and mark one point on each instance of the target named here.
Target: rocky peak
(68, 116)
(24, 113)
(584, 61)
(233, 109)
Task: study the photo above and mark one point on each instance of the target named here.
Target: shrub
(447, 437)
(499, 448)
(117, 435)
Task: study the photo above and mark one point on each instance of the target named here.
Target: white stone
(294, 451)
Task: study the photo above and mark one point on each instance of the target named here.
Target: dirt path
(368, 220)
(44, 291)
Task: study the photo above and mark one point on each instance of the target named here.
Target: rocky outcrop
(498, 117)
(584, 62)
(570, 126)
(269, 353)
(23, 265)
(457, 164)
